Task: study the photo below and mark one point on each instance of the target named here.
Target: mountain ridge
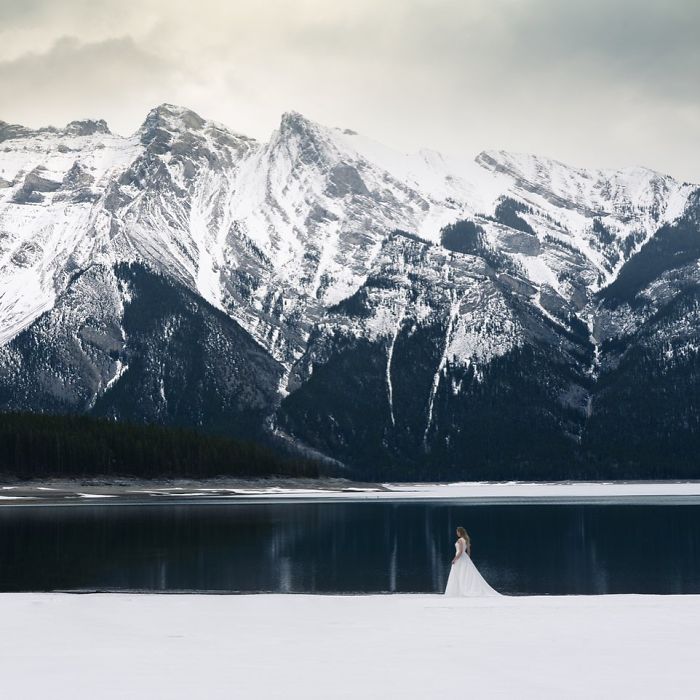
(333, 254)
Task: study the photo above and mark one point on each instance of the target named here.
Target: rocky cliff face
(417, 314)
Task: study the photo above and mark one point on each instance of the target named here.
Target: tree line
(42, 445)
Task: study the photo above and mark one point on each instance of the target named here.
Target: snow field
(398, 646)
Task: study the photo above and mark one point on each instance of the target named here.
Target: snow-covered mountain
(412, 311)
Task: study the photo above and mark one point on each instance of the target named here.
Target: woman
(465, 579)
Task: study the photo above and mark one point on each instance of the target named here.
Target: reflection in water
(350, 547)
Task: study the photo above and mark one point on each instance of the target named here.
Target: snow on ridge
(310, 210)
(594, 189)
(47, 223)
(477, 338)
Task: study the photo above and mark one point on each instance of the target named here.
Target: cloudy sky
(591, 82)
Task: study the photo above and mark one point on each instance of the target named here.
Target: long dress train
(465, 579)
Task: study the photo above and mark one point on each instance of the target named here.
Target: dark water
(350, 547)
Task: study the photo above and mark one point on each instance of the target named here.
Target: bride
(465, 579)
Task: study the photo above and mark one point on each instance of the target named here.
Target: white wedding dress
(465, 579)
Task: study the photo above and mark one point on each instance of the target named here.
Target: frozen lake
(350, 547)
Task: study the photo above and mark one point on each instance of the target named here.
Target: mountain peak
(77, 127)
(86, 127)
(173, 118)
(309, 141)
(10, 131)
(296, 123)
(165, 120)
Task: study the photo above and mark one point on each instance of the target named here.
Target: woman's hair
(463, 534)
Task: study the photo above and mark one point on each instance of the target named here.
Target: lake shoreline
(283, 490)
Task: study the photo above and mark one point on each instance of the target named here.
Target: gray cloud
(647, 44)
(17, 12)
(73, 79)
(596, 83)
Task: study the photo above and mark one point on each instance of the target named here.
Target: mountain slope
(416, 313)
(126, 343)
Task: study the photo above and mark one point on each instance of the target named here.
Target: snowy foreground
(393, 646)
